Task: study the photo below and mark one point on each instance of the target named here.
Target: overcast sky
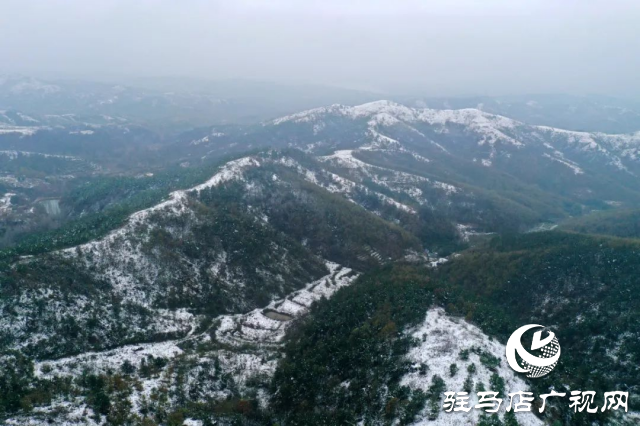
(439, 47)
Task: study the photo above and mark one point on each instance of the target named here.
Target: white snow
(175, 204)
(5, 202)
(15, 154)
(467, 231)
(382, 142)
(33, 85)
(24, 131)
(100, 362)
(612, 147)
(570, 164)
(442, 338)
(420, 157)
(234, 330)
(257, 328)
(120, 259)
(339, 184)
(72, 412)
(491, 130)
(25, 117)
(446, 187)
(383, 119)
(250, 343)
(396, 181)
(200, 141)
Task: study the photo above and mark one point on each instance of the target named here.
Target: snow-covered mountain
(186, 306)
(568, 171)
(227, 262)
(495, 136)
(166, 103)
(582, 113)
(193, 253)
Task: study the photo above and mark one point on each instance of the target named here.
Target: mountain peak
(397, 111)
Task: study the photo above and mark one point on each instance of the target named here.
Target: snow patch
(442, 338)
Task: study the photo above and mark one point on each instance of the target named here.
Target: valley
(330, 264)
(319, 213)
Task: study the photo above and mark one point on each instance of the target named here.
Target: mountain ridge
(195, 304)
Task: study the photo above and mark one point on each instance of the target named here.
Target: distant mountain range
(593, 113)
(461, 148)
(338, 265)
(168, 104)
(164, 104)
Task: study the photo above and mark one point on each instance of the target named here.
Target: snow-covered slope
(494, 131)
(130, 265)
(190, 299)
(465, 146)
(188, 257)
(195, 293)
(235, 353)
(452, 144)
(446, 341)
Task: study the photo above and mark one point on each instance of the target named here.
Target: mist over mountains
(181, 252)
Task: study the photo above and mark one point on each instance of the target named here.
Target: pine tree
(510, 419)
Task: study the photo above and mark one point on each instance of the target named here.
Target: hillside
(487, 173)
(591, 113)
(582, 287)
(256, 231)
(570, 170)
(227, 245)
(622, 223)
(381, 352)
(348, 264)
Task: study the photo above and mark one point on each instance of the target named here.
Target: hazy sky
(436, 47)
